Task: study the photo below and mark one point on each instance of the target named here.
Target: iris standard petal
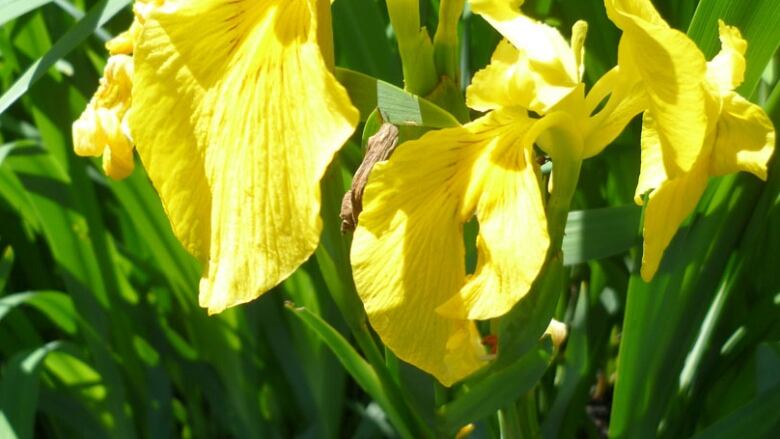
(549, 68)
(501, 83)
(236, 117)
(727, 70)
(745, 140)
(672, 70)
(408, 251)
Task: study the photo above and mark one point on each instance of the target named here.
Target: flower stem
(565, 175)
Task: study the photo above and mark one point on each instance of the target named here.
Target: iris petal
(672, 70)
(236, 117)
(408, 252)
(547, 67)
(745, 141)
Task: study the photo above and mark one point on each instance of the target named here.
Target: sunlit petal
(727, 70)
(236, 118)
(745, 141)
(672, 70)
(548, 66)
(666, 210)
(408, 252)
(512, 241)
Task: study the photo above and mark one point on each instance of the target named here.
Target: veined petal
(513, 241)
(745, 138)
(727, 70)
(408, 252)
(672, 70)
(547, 62)
(236, 117)
(671, 200)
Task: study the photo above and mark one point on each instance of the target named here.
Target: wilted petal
(745, 140)
(98, 131)
(408, 252)
(672, 70)
(236, 117)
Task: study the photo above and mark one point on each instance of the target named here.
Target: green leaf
(6, 263)
(760, 418)
(357, 367)
(479, 398)
(11, 9)
(57, 306)
(599, 233)
(757, 20)
(395, 105)
(96, 17)
(19, 391)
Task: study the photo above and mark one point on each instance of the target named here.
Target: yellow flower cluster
(235, 114)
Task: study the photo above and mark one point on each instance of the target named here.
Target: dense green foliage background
(101, 334)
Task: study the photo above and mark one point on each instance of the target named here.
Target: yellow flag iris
(236, 115)
(408, 250)
(695, 125)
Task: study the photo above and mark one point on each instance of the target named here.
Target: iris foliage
(658, 260)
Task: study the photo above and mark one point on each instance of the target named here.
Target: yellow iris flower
(408, 250)
(695, 125)
(235, 115)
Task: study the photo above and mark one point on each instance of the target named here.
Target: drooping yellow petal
(672, 70)
(667, 208)
(727, 70)
(745, 140)
(513, 240)
(408, 252)
(98, 131)
(670, 200)
(236, 117)
(547, 68)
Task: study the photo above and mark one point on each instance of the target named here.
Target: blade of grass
(19, 391)
(97, 16)
(358, 368)
(11, 9)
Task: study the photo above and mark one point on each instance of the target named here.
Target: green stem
(565, 175)
(445, 42)
(509, 422)
(529, 419)
(414, 46)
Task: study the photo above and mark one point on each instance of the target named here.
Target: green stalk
(414, 45)
(445, 42)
